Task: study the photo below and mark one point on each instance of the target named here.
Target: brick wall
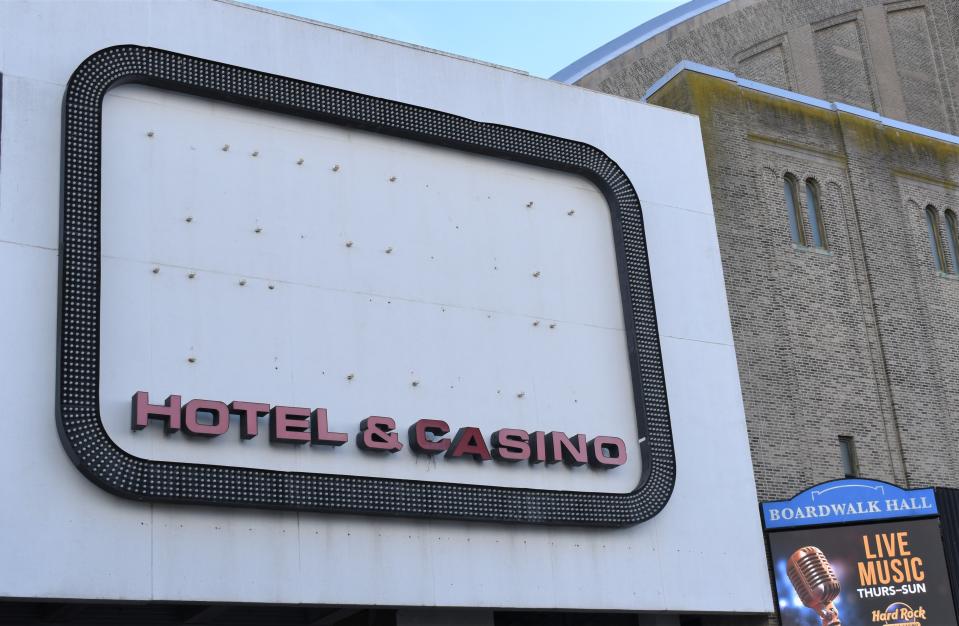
(859, 339)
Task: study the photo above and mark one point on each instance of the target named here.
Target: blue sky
(539, 36)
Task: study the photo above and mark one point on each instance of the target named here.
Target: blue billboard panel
(850, 500)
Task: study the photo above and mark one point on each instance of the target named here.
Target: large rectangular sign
(863, 575)
(291, 253)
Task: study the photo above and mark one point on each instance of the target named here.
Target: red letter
(562, 449)
(420, 433)
(143, 410)
(289, 424)
(375, 435)
(221, 418)
(537, 447)
(469, 441)
(607, 452)
(249, 412)
(321, 431)
(510, 445)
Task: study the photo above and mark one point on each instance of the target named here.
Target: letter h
(143, 411)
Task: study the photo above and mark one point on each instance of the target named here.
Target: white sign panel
(253, 256)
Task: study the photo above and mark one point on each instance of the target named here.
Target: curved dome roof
(899, 59)
(609, 51)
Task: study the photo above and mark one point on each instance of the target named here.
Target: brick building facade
(844, 332)
(856, 337)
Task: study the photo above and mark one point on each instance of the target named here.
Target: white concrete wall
(63, 537)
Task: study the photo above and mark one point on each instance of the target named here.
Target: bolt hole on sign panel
(280, 294)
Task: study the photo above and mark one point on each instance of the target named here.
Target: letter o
(600, 446)
(221, 418)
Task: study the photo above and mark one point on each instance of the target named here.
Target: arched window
(814, 211)
(952, 232)
(935, 240)
(791, 188)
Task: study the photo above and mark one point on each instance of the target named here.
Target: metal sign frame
(78, 408)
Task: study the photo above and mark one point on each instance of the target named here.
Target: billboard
(857, 552)
(887, 573)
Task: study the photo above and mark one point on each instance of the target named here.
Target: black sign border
(78, 407)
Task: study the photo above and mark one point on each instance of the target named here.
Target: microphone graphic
(816, 583)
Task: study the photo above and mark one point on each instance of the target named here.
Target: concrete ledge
(699, 68)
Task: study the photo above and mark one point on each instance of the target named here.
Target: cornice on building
(690, 66)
